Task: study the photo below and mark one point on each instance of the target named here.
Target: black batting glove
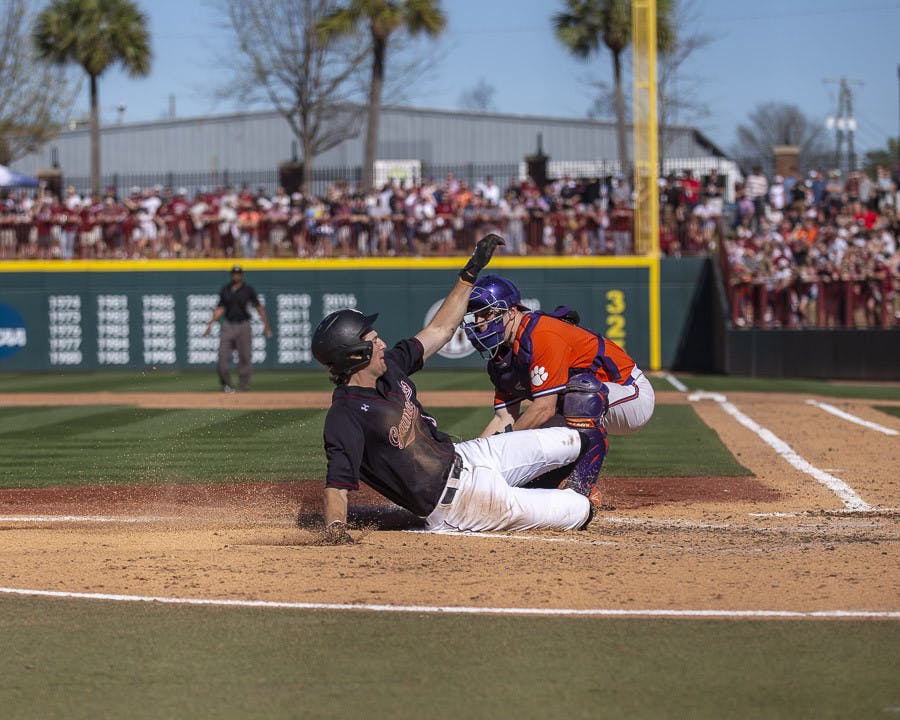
(484, 250)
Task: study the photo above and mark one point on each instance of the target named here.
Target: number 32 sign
(615, 317)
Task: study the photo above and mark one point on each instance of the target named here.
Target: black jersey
(383, 437)
(237, 303)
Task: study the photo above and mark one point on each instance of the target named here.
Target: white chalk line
(847, 495)
(852, 418)
(689, 525)
(515, 536)
(674, 381)
(571, 539)
(463, 610)
(77, 519)
(875, 511)
(831, 531)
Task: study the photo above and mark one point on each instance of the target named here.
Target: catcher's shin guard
(585, 401)
(583, 478)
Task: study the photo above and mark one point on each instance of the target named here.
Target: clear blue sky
(762, 50)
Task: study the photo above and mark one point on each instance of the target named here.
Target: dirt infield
(782, 540)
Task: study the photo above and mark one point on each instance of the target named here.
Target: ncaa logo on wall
(458, 346)
(12, 331)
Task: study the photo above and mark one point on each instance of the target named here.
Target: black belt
(452, 480)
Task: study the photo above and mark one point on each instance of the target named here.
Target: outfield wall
(827, 354)
(133, 315)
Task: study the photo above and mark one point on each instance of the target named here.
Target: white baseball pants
(630, 406)
(488, 494)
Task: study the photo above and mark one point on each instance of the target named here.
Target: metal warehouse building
(249, 146)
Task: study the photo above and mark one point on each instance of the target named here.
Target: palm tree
(381, 18)
(94, 34)
(585, 25)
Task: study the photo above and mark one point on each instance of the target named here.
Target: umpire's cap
(337, 343)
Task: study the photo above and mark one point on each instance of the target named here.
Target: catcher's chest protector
(512, 372)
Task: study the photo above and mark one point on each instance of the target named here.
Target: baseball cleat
(590, 517)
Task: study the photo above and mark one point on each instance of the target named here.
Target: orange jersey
(544, 352)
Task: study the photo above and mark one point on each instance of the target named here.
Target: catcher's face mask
(486, 320)
(486, 328)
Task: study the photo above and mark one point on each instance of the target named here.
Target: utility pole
(843, 123)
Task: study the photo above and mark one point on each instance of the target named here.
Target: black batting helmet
(337, 343)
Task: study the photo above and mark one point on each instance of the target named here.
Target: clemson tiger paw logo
(538, 376)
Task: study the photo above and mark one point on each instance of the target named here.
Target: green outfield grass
(428, 379)
(92, 659)
(889, 409)
(206, 381)
(90, 445)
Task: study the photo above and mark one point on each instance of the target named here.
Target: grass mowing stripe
(675, 443)
(93, 659)
(188, 446)
(428, 379)
(159, 424)
(239, 426)
(26, 419)
(206, 381)
(95, 422)
(141, 445)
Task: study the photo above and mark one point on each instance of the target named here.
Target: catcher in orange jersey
(534, 356)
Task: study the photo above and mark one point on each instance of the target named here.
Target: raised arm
(448, 317)
(438, 332)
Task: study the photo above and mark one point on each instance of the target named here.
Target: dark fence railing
(267, 180)
(805, 303)
(192, 182)
(503, 174)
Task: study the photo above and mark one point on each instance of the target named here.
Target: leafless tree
(317, 84)
(478, 97)
(775, 123)
(35, 96)
(677, 93)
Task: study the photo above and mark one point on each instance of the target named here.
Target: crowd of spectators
(815, 251)
(568, 216)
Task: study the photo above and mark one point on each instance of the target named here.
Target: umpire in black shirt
(235, 300)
